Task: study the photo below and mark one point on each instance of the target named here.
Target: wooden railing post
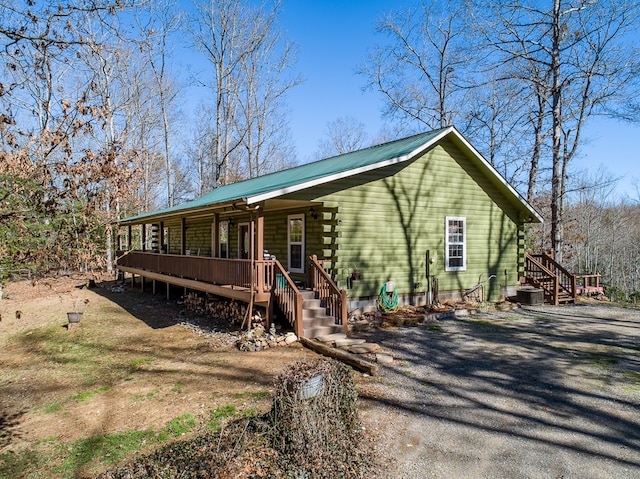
(299, 327)
(343, 312)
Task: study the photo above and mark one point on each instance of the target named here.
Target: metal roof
(311, 174)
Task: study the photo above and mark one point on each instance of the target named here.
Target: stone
(364, 348)
(340, 343)
(289, 339)
(330, 338)
(384, 358)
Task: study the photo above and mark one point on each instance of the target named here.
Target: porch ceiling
(238, 207)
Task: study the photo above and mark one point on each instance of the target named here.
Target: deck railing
(288, 297)
(220, 271)
(333, 298)
(566, 280)
(589, 284)
(540, 276)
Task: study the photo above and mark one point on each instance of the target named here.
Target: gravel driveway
(544, 392)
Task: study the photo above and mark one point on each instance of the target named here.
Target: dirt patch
(134, 362)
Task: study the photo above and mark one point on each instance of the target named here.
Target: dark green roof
(304, 176)
(292, 177)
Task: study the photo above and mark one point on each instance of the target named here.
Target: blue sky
(333, 38)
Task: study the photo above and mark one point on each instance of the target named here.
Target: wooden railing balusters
(334, 298)
(288, 296)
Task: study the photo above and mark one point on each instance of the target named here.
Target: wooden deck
(559, 285)
(231, 278)
(261, 282)
(589, 284)
(230, 291)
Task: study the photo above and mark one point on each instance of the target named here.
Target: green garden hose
(386, 302)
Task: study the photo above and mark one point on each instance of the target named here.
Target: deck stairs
(543, 272)
(546, 284)
(316, 322)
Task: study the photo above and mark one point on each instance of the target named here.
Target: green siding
(384, 222)
(198, 237)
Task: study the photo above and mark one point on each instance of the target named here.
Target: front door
(244, 242)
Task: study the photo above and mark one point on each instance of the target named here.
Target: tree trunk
(556, 112)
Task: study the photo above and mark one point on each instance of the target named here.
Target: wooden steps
(544, 272)
(315, 320)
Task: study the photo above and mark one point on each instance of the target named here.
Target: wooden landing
(590, 290)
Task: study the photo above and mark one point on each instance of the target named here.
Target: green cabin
(426, 212)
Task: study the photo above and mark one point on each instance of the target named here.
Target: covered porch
(221, 251)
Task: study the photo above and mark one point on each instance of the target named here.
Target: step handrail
(289, 298)
(567, 281)
(536, 271)
(333, 298)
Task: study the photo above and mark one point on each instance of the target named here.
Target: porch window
(296, 243)
(456, 244)
(223, 232)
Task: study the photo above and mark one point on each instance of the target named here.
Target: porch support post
(129, 238)
(260, 247)
(343, 311)
(161, 246)
(215, 236)
(183, 236)
(143, 237)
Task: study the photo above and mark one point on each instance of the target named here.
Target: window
(223, 247)
(456, 248)
(296, 243)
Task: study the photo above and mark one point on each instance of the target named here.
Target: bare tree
(343, 135)
(573, 55)
(158, 24)
(266, 78)
(251, 74)
(423, 70)
(221, 31)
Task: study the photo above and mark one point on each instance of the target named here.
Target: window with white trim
(456, 243)
(296, 243)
